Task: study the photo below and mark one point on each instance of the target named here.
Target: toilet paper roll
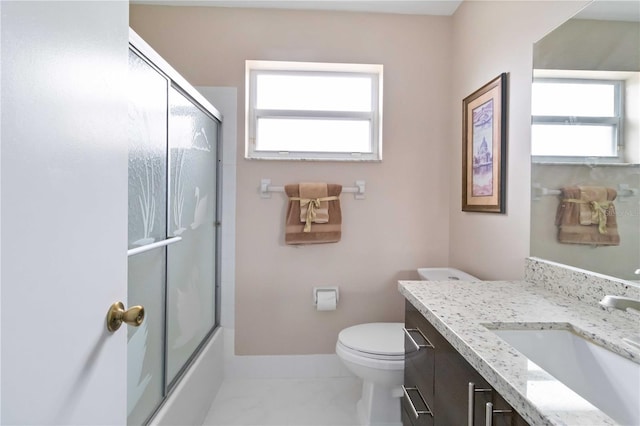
(327, 300)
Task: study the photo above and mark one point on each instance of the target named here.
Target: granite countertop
(459, 310)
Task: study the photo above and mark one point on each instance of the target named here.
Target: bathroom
(410, 217)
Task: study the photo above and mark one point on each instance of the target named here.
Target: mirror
(586, 141)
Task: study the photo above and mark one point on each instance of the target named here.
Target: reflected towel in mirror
(587, 215)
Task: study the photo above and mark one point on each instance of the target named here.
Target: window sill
(364, 158)
(585, 163)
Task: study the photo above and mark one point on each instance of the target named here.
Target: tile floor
(286, 402)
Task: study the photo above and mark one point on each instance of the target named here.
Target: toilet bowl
(375, 353)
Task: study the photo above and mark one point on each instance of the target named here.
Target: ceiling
(411, 7)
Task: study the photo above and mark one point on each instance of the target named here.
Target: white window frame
(617, 121)
(255, 68)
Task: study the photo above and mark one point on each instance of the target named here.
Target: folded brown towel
(586, 215)
(314, 191)
(329, 232)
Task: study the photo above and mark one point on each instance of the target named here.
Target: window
(313, 111)
(576, 119)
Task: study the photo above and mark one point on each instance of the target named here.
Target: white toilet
(375, 353)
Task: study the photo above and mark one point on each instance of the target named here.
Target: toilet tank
(444, 274)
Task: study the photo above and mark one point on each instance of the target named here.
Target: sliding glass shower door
(192, 263)
(147, 225)
(173, 232)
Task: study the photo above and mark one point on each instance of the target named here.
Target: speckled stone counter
(461, 310)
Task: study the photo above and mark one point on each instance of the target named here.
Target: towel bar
(623, 191)
(266, 188)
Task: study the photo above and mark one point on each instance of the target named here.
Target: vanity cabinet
(441, 388)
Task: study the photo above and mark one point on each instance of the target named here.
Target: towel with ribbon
(587, 215)
(317, 205)
(314, 203)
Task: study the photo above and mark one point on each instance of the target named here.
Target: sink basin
(605, 379)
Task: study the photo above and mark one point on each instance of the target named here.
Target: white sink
(607, 380)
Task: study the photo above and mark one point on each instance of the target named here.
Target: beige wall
(412, 214)
(404, 221)
(491, 37)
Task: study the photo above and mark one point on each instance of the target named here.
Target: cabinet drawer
(419, 358)
(415, 411)
(419, 367)
(415, 377)
(414, 319)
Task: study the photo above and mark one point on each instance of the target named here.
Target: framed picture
(484, 148)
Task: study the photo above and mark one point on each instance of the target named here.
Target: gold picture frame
(484, 148)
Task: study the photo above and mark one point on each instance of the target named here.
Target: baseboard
(279, 366)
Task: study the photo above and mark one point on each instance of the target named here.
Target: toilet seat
(377, 345)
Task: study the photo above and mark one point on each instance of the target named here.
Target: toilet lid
(383, 338)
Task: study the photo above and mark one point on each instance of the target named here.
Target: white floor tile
(286, 402)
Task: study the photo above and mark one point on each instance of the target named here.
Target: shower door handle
(117, 315)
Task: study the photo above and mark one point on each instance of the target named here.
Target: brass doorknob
(117, 315)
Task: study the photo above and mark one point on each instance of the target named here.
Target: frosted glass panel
(192, 215)
(145, 348)
(147, 223)
(147, 153)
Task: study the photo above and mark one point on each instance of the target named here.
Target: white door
(63, 211)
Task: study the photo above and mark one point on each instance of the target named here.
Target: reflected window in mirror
(602, 42)
(575, 120)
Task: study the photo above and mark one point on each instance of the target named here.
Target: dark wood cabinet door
(452, 396)
(449, 377)
(444, 377)
(504, 414)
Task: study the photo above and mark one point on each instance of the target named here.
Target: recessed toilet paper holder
(317, 290)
